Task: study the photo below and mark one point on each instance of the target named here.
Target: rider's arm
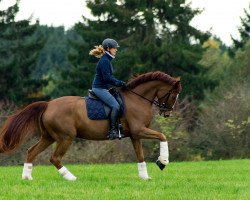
(107, 74)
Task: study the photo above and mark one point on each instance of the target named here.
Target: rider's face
(113, 51)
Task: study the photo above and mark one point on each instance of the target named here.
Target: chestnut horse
(62, 119)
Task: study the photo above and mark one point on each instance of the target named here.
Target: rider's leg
(108, 99)
(113, 131)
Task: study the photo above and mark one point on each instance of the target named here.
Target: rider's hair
(98, 51)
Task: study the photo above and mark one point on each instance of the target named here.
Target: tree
(216, 60)
(153, 35)
(224, 125)
(54, 52)
(53, 60)
(74, 78)
(18, 52)
(244, 31)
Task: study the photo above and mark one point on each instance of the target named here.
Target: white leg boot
(67, 174)
(27, 170)
(142, 169)
(164, 154)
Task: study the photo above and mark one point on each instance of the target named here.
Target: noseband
(162, 106)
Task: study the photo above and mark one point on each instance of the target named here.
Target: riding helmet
(109, 43)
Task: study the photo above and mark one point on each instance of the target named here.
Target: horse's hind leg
(32, 152)
(62, 147)
(142, 168)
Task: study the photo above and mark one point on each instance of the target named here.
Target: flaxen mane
(152, 76)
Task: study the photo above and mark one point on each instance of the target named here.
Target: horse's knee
(163, 138)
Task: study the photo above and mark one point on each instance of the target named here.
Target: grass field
(185, 180)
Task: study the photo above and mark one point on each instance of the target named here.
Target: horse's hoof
(160, 165)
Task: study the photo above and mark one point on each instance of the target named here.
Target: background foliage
(211, 120)
(19, 52)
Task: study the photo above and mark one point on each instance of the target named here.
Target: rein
(157, 103)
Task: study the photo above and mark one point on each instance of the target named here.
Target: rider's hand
(124, 85)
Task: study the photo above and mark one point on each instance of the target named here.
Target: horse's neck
(147, 90)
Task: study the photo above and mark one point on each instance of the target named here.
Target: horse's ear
(176, 85)
(178, 78)
(135, 75)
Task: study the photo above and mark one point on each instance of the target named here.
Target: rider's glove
(124, 85)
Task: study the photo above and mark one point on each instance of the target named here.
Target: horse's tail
(19, 126)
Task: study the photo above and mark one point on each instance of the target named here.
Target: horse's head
(168, 97)
(166, 89)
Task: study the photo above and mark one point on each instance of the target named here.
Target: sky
(221, 17)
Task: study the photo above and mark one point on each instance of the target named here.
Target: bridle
(162, 106)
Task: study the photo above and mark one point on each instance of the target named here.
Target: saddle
(98, 110)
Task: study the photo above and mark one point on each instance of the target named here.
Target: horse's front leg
(146, 133)
(142, 168)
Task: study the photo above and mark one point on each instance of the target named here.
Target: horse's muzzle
(166, 114)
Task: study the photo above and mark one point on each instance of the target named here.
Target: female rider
(104, 79)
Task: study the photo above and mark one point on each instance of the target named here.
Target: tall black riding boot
(113, 131)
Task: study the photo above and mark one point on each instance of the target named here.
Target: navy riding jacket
(104, 74)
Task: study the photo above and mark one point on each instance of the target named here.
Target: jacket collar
(110, 57)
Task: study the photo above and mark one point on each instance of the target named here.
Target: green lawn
(184, 180)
